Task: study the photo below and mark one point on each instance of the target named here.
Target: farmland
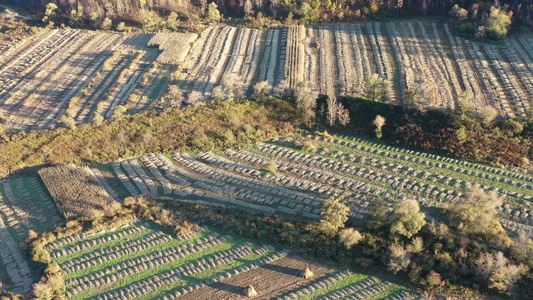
(107, 193)
(24, 205)
(273, 178)
(76, 75)
(143, 261)
(76, 190)
(70, 73)
(301, 181)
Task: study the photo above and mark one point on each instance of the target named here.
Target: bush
(265, 119)
(52, 268)
(349, 237)
(42, 291)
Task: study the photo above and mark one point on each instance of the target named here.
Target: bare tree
(275, 5)
(332, 109)
(262, 88)
(218, 93)
(233, 86)
(420, 93)
(195, 98)
(248, 8)
(174, 96)
(343, 114)
(283, 88)
(306, 101)
(399, 258)
(204, 6)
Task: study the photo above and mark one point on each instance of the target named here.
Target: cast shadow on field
(234, 289)
(284, 270)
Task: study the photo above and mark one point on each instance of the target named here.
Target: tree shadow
(284, 270)
(234, 289)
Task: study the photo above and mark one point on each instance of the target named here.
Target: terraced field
(76, 74)
(73, 73)
(143, 261)
(273, 178)
(24, 205)
(302, 180)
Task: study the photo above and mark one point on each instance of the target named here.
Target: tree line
(312, 10)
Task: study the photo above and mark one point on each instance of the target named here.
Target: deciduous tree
(377, 88)
(334, 214)
(407, 219)
(349, 237)
(379, 122)
(213, 14)
(498, 23)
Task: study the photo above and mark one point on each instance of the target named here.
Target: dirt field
(269, 281)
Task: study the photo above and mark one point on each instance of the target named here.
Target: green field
(177, 265)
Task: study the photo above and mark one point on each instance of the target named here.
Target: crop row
(301, 181)
(76, 191)
(24, 205)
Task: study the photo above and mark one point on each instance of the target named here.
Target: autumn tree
(407, 219)
(50, 13)
(506, 277)
(107, 24)
(465, 105)
(119, 112)
(306, 101)
(416, 245)
(458, 13)
(213, 14)
(349, 237)
(434, 279)
(42, 291)
(76, 16)
(334, 214)
(477, 211)
(377, 88)
(498, 23)
(488, 114)
(476, 214)
(172, 22)
(379, 122)
(500, 273)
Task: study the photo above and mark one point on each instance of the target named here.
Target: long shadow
(285, 270)
(234, 289)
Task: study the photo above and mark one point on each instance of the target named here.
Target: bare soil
(271, 280)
